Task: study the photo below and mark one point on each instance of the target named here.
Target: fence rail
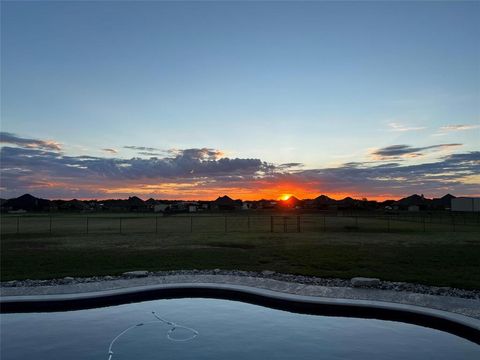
(220, 223)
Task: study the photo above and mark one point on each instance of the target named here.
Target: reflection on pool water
(226, 330)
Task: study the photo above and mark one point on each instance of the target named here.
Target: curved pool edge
(460, 325)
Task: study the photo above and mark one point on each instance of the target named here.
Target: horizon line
(233, 198)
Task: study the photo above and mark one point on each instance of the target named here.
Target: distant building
(413, 200)
(292, 202)
(467, 204)
(136, 204)
(227, 203)
(27, 202)
(443, 203)
(414, 208)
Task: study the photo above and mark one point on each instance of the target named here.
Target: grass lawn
(442, 259)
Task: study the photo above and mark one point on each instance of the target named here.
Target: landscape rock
(268, 272)
(137, 273)
(364, 282)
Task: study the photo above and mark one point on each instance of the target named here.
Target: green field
(346, 247)
(80, 224)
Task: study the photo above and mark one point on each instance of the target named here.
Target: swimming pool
(218, 329)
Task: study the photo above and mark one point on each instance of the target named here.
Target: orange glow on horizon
(198, 190)
(285, 197)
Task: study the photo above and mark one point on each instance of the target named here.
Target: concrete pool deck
(466, 307)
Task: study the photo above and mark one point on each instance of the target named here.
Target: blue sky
(316, 83)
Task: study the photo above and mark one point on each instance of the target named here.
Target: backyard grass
(432, 258)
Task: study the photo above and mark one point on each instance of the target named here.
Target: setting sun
(285, 197)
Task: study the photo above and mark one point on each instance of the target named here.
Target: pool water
(226, 330)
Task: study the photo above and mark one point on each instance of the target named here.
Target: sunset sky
(254, 100)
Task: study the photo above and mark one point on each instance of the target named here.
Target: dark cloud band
(42, 168)
(395, 151)
(9, 138)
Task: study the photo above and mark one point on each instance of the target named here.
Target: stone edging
(307, 280)
(269, 281)
(457, 324)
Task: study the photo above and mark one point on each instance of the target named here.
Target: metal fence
(220, 223)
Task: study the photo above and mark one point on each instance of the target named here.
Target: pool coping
(458, 324)
(296, 285)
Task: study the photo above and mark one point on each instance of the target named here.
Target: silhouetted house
(323, 202)
(368, 205)
(387, 205)
(265, 204)
(466, 204)
(115, 205)
(226, 203)
(309, 204)
(347, 204)
(70, 205)
(27, 202)
(136, 204)
(443, 203)
(179, 207)
(150, 203)
(292, 203)
(413, 200)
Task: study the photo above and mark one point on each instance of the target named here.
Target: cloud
(205, 173)
(459, 127)
(110, 151)
(146, 153)
(141, 148)
(399, 151)
(9, 138)
(194, 153)
(440, 177)
(199, 154)
(202, 162)
(444, 130)
(399, 127)
(290, 165)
